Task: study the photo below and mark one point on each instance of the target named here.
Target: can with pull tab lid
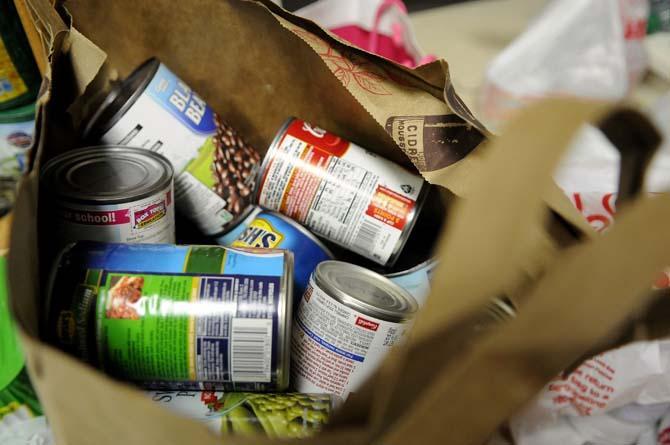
(347, 321)
(110, 193)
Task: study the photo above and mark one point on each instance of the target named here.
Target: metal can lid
(366, 291)
(106, 175)
(119, 100)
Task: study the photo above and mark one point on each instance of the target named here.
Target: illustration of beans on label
(215, 167)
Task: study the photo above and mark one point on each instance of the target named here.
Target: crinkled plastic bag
(582, 48)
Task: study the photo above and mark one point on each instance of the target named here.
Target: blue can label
(269, 230)
(416, 280)
(180, 100)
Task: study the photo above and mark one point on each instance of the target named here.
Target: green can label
(214, 323)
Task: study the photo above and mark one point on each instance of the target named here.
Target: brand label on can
(203, 316)
(11, 83)
(260, 233)
(270, 230)
(334, 348)
(169, 118)
(149, 220)
(340, 191)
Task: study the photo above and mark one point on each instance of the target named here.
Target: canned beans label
(340, 191)
(149, 220)
(214, 319)
(187, 143)
(335, 348)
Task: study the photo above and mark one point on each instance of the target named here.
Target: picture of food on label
(124, 292)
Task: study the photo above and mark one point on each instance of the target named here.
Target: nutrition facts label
(335, 348)
(351, 197)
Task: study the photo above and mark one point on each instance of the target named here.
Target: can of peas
(276, 415)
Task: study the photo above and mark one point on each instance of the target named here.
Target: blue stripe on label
(327, 345)
(176, 97)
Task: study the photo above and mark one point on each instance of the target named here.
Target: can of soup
(175, 317)
(275, 415)
(215, 169)
(340, 191)
(346, 322)
(238, 226)
(112, 194)
(272, 230)
(416, 280)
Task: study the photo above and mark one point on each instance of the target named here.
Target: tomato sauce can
(112, 194)
(275, 415)
(346, 322)
(272, 230)
(175, 317)
(340, 191)
(215, 169)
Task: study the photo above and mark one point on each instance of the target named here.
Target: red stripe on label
(367, 324)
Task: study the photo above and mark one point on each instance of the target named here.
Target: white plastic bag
(582, 48)
(611, 399)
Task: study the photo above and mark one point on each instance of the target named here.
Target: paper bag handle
(509, 186)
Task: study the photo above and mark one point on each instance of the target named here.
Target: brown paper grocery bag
(257, 64)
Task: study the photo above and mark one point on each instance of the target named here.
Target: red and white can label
(340, 191)
(149, 220)
(335, 348)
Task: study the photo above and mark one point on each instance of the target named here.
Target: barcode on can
(251, 350)
(366, 237)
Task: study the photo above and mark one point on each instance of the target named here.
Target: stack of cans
(317, 258)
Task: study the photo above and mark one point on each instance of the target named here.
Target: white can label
(334, 348)
(149, 220)
(340, 191)
(171, 119)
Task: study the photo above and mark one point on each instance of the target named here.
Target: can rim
(284, 313)
(428, 264)
(51, 283)
(355, 303)
(50, 179)
(269, 155)
(302, 229)
(94, 128)
(413, 217)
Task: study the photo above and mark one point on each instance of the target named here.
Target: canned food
(272, 230)
(215, 168)
(346, 322)
(278, 416)
(238, 226)
(113, 194)
(175, 317)
(340, 191)
(16, 136)
(416, 280)
(19, 77)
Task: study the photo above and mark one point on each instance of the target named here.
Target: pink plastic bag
(379, 26)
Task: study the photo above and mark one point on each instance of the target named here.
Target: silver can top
(365, 291)
(106, 175)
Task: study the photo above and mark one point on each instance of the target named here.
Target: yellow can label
(260, 233)
(11, 83)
